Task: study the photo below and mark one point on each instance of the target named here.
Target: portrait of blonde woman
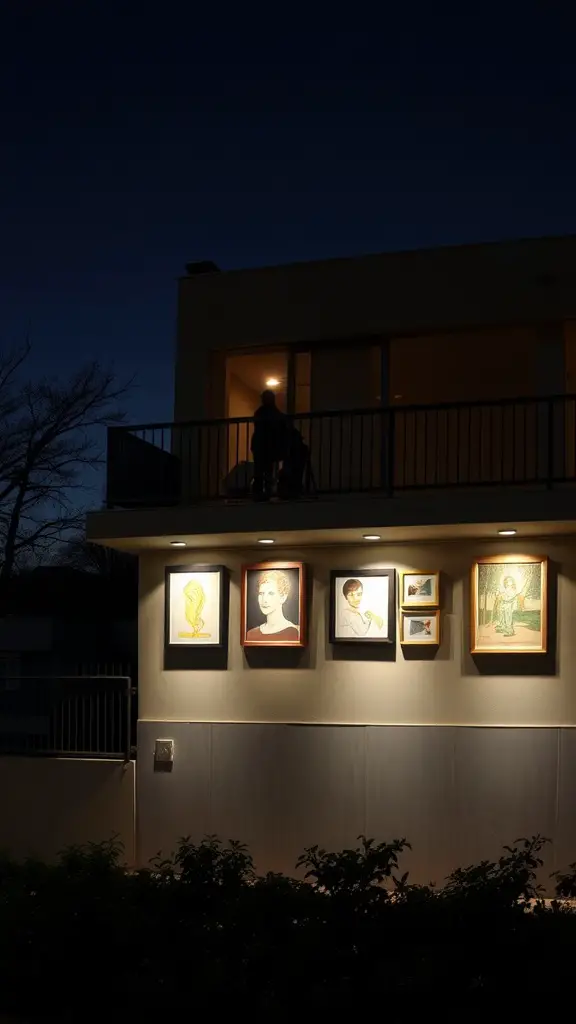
(273, 601)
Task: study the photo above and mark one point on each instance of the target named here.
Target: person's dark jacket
(269, 439)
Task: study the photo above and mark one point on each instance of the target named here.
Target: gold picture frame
(509, 605)
(419, 589)
(420, 627)
(274, 595)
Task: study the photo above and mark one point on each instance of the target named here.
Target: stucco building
(434, 392)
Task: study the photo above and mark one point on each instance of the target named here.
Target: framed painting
(509, 605)
(420, 589)
(420, 627)
(196, 606)
(362, 606)
(273, 605)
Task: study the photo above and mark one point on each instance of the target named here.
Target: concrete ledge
(49, 803)
(422, 515)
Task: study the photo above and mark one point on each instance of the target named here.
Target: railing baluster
(374, 421)
(523, 430)
(321, 446)
(415, 450)
(481, 446)
(514, 474)
(390, 467)
(550, 475)
(105, 721)
(398, 416)
(502, 444)
(425, 479)
(361, 458)
(208, 430)
(340, 452)
(199, 461)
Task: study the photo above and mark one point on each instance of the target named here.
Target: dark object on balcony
(291, 479)
(132, 460)
(238, 483)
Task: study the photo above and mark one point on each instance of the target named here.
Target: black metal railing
(66, 716)
(524, 441)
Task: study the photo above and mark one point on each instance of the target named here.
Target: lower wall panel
(49, 803)
(456, 793)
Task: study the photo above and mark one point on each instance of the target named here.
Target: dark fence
(504, 443)
(66, 716)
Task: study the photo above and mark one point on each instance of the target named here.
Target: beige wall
(449, 689)
(242, 400)
(457, 794)
(49, 803)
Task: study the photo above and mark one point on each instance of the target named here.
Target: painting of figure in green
(509, 605)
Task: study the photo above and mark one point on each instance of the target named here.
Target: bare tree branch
(50, 433)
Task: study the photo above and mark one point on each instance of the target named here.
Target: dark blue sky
(132, 143)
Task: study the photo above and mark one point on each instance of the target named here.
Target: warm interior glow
(272, 382)
(507, 533)
(246, 377)
(372, 536)
(266, 540)
(178, 543)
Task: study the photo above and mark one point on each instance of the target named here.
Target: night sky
(133, 143)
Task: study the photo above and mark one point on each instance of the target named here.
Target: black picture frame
(389, 611)
(211, 655)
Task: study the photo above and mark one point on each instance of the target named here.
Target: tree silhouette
(47, 440)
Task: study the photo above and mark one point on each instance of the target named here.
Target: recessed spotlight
(372, 536)
(272, 382)
(178, 543)
(507, 533)
(266, 540)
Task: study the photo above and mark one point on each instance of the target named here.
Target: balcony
(387, 452)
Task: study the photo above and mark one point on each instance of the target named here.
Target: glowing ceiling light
(272, 382)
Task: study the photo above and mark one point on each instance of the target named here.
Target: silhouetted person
(268, 444)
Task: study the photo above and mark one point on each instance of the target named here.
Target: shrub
(202, 925)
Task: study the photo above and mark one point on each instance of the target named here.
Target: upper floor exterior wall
(507, 306)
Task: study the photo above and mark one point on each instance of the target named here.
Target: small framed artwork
(196, 612)
(420, 627)
(362, 606)
(273, 606)
(420, 589)
(509, 605)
